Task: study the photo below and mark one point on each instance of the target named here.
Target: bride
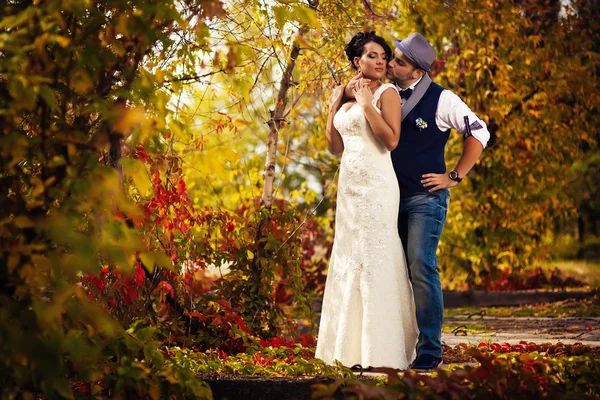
(368, 313)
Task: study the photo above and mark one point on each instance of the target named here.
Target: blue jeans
(420, 224)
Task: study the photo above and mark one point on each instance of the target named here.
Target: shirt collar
(411, 86)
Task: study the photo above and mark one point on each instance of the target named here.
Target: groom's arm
(453, 113)
(471, 151)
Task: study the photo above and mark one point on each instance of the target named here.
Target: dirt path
(514, 329)
(477, 329)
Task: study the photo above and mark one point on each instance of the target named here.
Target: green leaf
(63, 387)
(22, 93)
(155, 258)
(48, 95)
(281, 14)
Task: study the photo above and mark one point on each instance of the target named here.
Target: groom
(429, 112)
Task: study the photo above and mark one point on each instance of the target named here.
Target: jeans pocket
(444, 199)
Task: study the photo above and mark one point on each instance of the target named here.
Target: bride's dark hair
(357, 44)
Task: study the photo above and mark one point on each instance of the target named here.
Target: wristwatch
(454, 176)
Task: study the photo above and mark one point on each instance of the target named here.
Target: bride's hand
(363, 94)
(353, 84)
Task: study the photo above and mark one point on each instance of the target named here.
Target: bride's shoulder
(387, 86)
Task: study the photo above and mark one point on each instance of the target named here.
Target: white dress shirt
(451, 112)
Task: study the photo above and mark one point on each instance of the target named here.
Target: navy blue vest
(420, 150)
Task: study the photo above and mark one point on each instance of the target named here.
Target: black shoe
(426, 362)
(356, 368)
(360, 369)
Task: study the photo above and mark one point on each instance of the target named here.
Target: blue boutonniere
(421, 124)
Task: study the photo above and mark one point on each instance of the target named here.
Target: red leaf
(181, 187)
(166, 286)
(197, 315)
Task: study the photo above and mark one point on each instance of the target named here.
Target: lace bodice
(352, 122)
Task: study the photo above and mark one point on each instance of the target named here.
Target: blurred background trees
(135, 136)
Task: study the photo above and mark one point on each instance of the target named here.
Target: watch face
(453, 175)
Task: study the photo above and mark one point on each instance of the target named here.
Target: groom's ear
(417, 73)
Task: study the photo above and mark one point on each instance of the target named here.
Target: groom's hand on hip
(437, 181)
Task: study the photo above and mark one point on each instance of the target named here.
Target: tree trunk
(275, 124)
(277, 117)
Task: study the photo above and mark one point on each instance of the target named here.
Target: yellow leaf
(154, 392)
(280, 16)
(147, 261)
(243, 122)
(80, 82)
(142, 182)
(159, 76)
(49, 181)
(41, 262)
(137, 171)
(62, 41)
(303, 42)
(154, 258)
(96, 389)
(59, 19)
(122, 23)
(306, 15)
(71, 150)
(22, 221)
(34, 204)
(141, 366)
(13, 260)
(40, 43)
(28, 395)
(27, 273)
(128, 119)
(250, 255)
(37, 190)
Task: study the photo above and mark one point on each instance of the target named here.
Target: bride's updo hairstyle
(357, 44)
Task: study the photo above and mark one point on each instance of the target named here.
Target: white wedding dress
(368, 312)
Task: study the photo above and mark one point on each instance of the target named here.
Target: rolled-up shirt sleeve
(451, 114)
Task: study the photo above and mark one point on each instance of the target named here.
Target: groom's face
(402, 71)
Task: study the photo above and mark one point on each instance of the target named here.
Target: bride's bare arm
(334, 139)
(385, 126)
